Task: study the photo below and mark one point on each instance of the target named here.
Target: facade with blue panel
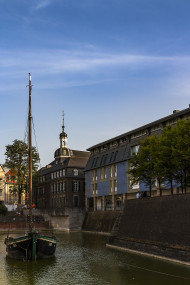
(107, 181)
(122, 177)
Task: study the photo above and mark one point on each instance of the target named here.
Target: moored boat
(32, 245)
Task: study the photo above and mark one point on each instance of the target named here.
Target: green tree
(17, 160)
(154, 144)
(3, 210)
(164, 158)
(142, 165)
(181, 152)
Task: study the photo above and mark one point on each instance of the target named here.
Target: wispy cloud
(83, 67)
(59, 61)
(42, 4)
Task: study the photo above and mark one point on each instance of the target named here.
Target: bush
(3, 210)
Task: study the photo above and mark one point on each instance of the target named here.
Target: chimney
(175, 111)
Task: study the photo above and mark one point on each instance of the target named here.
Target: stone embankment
(13, 222)
(158, 226)
(101, 221)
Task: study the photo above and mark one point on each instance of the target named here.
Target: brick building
(61, 184)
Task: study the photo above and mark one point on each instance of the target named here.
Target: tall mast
(30, 154)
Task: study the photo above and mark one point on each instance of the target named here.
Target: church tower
(63, 136)
(63, 151)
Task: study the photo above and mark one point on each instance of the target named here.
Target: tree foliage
(17, 160)
(3, 210)
(164, 158)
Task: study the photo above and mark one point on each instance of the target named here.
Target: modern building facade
(61, 184)
(107, 180)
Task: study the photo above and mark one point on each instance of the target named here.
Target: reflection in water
(27, 272)
(83, 259)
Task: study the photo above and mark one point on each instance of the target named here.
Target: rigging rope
(36, 140)
(26, 130)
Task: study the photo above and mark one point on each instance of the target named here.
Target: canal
(83, 258)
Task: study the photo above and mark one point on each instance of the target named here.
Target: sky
(111, 65)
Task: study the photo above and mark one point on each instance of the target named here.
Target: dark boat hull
(45, 247)
(30, 247)
(18, 248)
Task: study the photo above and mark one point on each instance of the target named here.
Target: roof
(78, 159)
(176, 113)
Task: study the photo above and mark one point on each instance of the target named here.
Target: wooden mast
(30, 155)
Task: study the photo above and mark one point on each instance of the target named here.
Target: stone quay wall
(158, 226)
(69, 219)
(19, 225)
(100, 221)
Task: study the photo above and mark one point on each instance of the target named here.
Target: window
(52, 175)
(57, 174)
(96, 175)
(103, 173)
(111, 186)
(60, 173)
(92, 189)
(134, 149)
(96, 188)
(115, 170)
(62, 186)
(115, 185)
(111, 171)
(75, 186)
(76, 172)
(63, 172)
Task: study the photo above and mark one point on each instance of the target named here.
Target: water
(83, 258)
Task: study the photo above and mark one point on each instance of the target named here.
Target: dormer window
(76, 172)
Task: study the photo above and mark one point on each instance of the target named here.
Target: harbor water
(82, 258)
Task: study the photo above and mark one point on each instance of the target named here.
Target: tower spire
(63, 151)
(63, 135)
(63, 126)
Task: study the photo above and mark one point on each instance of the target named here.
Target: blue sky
(111, 65)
